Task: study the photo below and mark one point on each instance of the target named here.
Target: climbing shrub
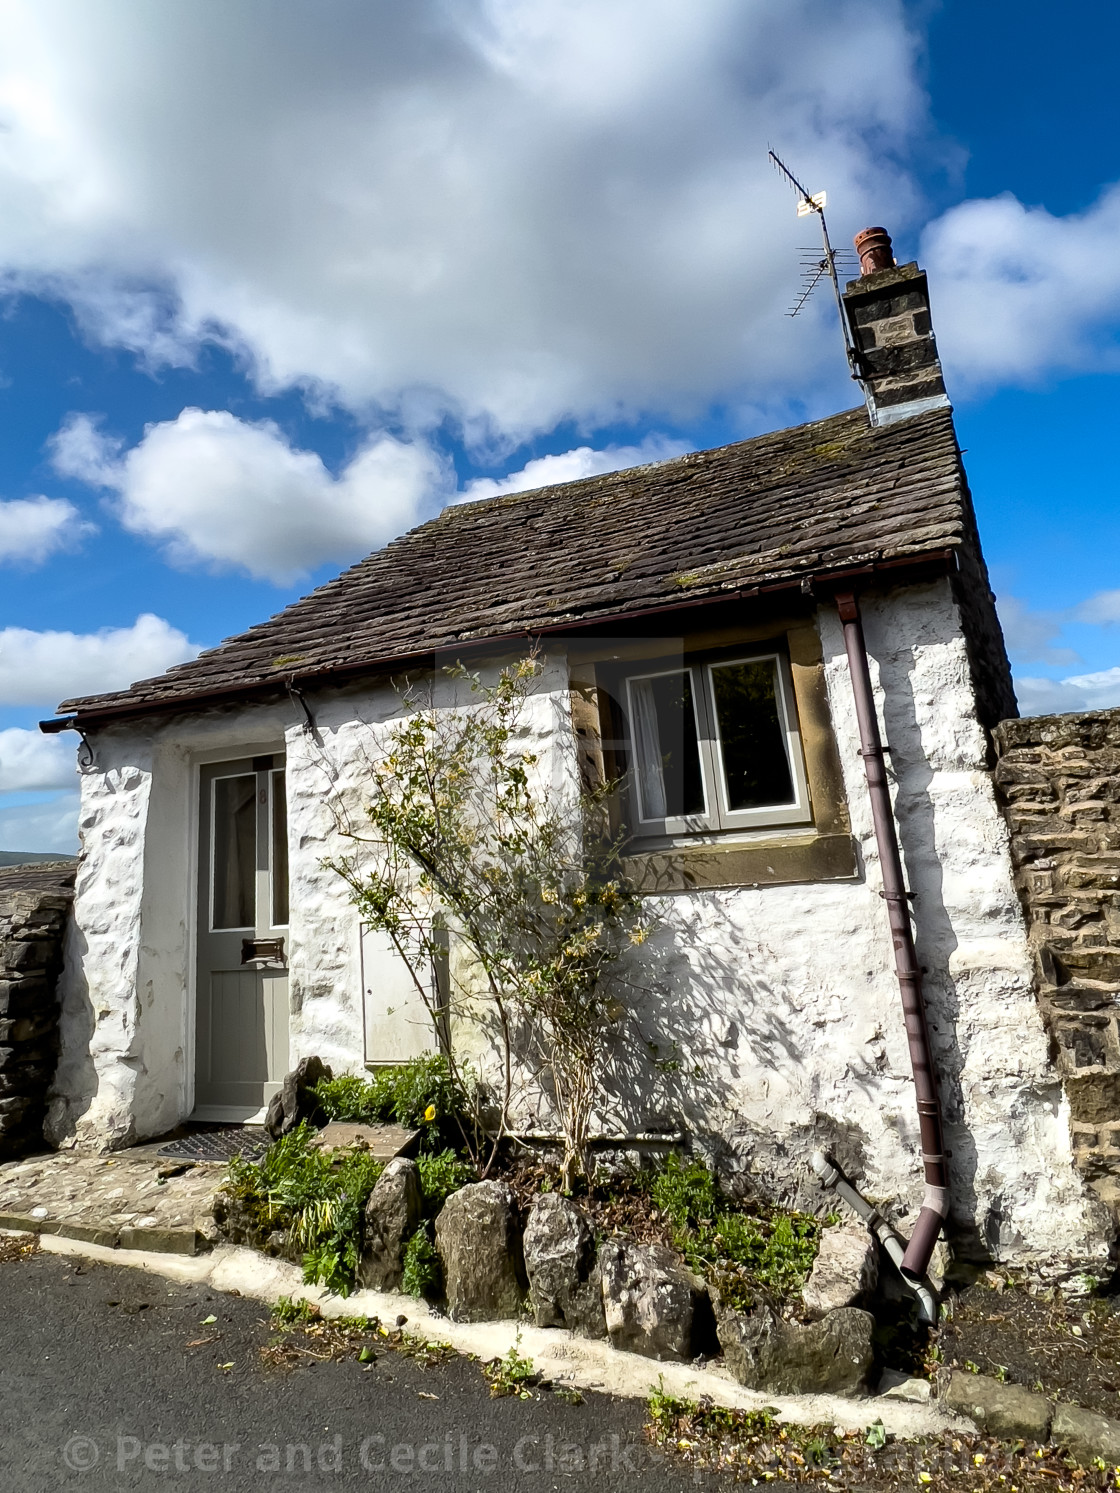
(465, 853)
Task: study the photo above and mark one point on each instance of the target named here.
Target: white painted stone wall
(783, 1004)
(775, 1010)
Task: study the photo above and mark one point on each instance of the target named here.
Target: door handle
(270, 950)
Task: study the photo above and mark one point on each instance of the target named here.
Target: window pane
(235, 851)
(752, 741)
(668, 760)
(279, 851)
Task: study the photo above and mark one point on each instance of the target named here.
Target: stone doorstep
(1009, 1411)
(155, 1239)
(383, 1142)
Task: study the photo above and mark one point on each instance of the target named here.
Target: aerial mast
(816, 269)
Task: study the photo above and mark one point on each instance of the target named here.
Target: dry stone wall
(1059, 781)
(34, 906)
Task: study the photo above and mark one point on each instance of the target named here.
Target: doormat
(220, 1144)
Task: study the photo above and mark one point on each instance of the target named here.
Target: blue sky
(279, 281)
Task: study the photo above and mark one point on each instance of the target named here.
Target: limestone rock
(765, 1352)
(393, 1213)
(478, 1242)
(1006, 1410)
(653, 1304)
(293, 1102)
(1085, 1434)
(564, 1278)
(845, 1271)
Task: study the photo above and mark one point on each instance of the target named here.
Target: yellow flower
(430, 1112)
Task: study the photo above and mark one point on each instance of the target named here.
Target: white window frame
(718, 816)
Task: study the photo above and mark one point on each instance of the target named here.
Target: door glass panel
(668, 758)
(751, 734)
(235, 851)
(279, 851)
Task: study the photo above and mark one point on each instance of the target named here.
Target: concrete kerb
(559, 1356)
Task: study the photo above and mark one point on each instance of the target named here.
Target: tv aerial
(815, 266)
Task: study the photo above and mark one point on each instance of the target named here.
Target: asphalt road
(101, 1389)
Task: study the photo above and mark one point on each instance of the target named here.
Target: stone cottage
(707, 625)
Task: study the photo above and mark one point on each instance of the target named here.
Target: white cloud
(30, 760)
(1100, 610)
(33, 529)
(509, 211)
(1018, 291)
(570, 466)
(80, 449)
(218, 490)
(42, 668)
(42, 826)
(1030, 634)
(1097, 691)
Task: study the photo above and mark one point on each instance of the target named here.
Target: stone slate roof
(818, 498)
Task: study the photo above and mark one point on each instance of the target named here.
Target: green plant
(441, 1175)
(417, 1094)
(470, 854)
(511, 1374)
(876, 1436)
(818, 1451)
(423, 1273)
(316, 1199)
(739, 1251)
(685, 1191)
(290, 1313)
(660, 1404)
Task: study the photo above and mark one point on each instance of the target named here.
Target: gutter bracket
(296, 695)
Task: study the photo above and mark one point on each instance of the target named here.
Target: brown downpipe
(935, 1203)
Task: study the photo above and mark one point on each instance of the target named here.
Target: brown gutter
(935, 1204)
(934, 562)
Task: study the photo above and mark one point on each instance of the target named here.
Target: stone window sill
(769, 861)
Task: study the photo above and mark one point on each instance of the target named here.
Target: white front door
(241, 1027)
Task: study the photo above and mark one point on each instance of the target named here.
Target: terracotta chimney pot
(873, 246)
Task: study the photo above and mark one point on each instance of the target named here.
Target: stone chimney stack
(888, 313)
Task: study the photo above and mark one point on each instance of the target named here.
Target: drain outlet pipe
(935, 1203)
(834, 1179)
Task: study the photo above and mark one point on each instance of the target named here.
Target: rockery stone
(564, 1278)
(479, 1244)
(845, 1271)
(392, 1216)
(653, 1304)
(765, 1352)
(293, 1101)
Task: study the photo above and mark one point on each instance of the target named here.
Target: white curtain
(647, 747)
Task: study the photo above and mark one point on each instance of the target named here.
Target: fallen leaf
(424, 1395)
(206, 1321)
(226, 1365)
